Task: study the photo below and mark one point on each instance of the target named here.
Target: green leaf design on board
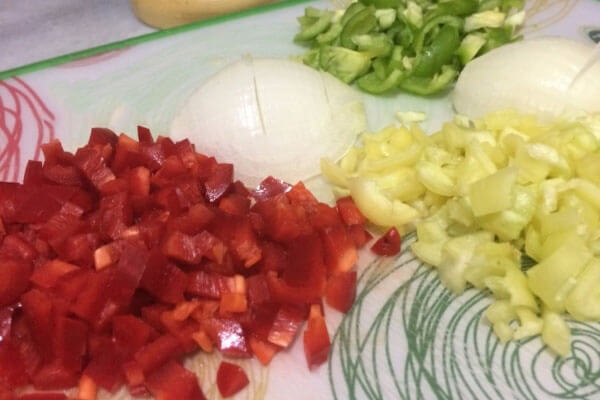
(421, 341)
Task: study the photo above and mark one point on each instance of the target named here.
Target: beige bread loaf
(169, 13)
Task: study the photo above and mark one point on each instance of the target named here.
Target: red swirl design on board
(23, 117)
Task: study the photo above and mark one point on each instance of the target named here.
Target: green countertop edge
(51, 62)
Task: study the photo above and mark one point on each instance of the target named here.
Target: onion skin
(531, 76)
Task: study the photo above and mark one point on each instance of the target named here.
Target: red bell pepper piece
(105, 367)
(262, 350)
(16, 246)
(158, 352)
(12, 370)
(268, 188)
(235, 204)
(389, 244)
(67, 175)
(62, 225)
(349, 212)
(341, 290)
(49, 274)
(38, 311)
(144, 135)
(360, 236)
(130, 332)
(102, 136)
(286, 325)
(43, 396)
(208, 285)
(219, 181)
(303, 280)
(163, 279)
(231, 379)
(228, 335)
(91, 163)
(14, 279)
(182, 247)
(173, 382)
(339, 249)
(283, 220)
(316, 339)
(116, 215)
(258, 290)
(126, 153)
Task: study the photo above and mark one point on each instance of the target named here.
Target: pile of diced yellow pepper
(506, 203)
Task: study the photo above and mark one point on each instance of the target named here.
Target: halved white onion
(531, 76)
(271, 117)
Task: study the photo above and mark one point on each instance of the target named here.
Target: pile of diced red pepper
(121, 259)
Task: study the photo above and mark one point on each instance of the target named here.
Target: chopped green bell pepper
(438, 53)
(362, 22)
(372, 83)
(427, 86)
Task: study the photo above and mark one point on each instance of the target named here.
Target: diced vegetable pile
(415, 46)
(119, 260)
(506, 203)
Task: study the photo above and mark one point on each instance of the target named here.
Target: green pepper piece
(382, 3)
(380, 68)
(428, 86)
(469, 47)
(507, 5)
(305, 21)
(313, 12)
(405, 37)
(363, 21)
(312, 58)
(386, 17)
(350, 11)
(438, 53)
(311, 31)
(344, 63)
(330, 35)
(458, 8)
(376, 45)
(371, 83)
(487, 5)
(497, 37)
(451, 20)
(396, 59)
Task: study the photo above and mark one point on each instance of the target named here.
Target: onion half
(272, 117)
(531, 76)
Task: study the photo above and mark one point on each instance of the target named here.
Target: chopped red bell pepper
(349, 212)
(49, 274)
(389, 244)
(43, 396)
(285, 326)
(228, 335)
(262, 350)
(163, 279)
(360, 236)
(218, 182)
(341, 290)
(316, 339)
(173, 382)
(339, 249)
(120, 259)
(231, 379)
(14, 279)
(270, 187)
(156, 353)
